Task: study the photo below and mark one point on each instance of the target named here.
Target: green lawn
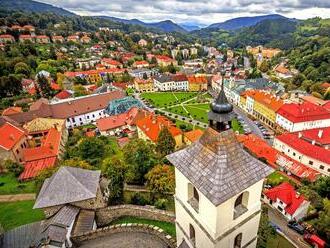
(166, 226)
(277, 178)
(162, 99)
(237, 126)
(198, 112)
(14, 214)
(279, 242)
(10, 185)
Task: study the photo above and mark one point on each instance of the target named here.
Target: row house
(111, 63)
(42, 39)
(309, 147)
(26, 37)
(57, 39)
(7, 38)
(143, 85)
(197, 83)
(94, 76)
(140, 64)
(263, 105)
(163, 60)
(143, 73)
(171, 82)
(150, 125)
(293, 117)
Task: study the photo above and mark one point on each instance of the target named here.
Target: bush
(14, 167)
(161, 203)
(182, 126)
(138, 199)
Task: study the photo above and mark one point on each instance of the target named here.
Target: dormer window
(240, 206)
(193, 197)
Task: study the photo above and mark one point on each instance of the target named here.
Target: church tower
(218, 187)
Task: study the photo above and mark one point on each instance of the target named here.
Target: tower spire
(221, 112)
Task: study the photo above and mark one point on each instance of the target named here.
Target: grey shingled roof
(218, 166)
(67, 185)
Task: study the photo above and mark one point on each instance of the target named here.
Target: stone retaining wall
(106, 215)
(120, 228)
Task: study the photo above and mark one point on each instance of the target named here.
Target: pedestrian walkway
(17, 197)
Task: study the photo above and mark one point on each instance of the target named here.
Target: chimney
(299, 135)
(11, 136)
(320, 133)
(313, 142)
(297, 194)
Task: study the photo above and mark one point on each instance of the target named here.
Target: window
(294, 154)
(192, 234)
(310, 162)
(238, 241)
(321, 167)
(17, 151)
(240, 206)
(193, 197)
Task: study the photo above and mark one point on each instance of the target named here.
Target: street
(276, 218)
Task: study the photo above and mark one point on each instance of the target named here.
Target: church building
(218, 187)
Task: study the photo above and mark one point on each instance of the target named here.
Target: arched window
(193, 197)
(241, 203)
(192, 233)
(238, 241)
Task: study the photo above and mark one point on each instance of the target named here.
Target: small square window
(310, 162)
(321, 167)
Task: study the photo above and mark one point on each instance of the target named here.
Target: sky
(201, 12)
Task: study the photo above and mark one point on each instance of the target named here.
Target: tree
(140, 157)
(76, 162)
(22, 68)
(264, 66)
(322, 186)
(322, 223)
(91, 149)
(165, 142)
(14, 167)
(114, 168)
(265, 231)
(44, 86)
(161, 179)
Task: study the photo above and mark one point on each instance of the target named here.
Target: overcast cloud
(195, 11)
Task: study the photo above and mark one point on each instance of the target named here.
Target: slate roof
(67, 185)
(218, 166)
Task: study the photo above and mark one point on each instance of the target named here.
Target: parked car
(276, 227)
(297, 227)
(314, 240)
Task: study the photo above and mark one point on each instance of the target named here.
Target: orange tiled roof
(193, 135)
(152, 124)
(10, 135)
(12, 110)
(265, 98)
(197, 79)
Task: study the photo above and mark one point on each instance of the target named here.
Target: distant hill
(33, 6)
(242, 22)
(189, 27)
(165, 26)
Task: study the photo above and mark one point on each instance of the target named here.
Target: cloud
(194, 11)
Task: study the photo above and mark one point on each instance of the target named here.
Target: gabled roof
(68, 184)
(287, 194)
(193, 135)
(10, 135)
(64, 94)
(12, 110)
(43, 124)
(303, 112)
(218, 166)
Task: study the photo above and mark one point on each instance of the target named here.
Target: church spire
(221, 112)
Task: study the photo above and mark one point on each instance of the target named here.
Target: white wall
(84, 119)
(299, 126)
(301, 157)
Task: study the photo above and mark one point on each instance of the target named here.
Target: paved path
(126, 240)
(17, 197)
(276, 218)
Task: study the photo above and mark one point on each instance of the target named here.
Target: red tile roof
(10, 135)
(116, 121)
(33, 168)
(287, 194)
(193, 135)
(163, 58)
(121, 85)
(197, 79)
(42, 37)
(303, 112)
(320, 135)
(25, 36)
(179, 77)
(265, 98)
(49, 147)
(305, 147)
(6, 36)
(152, 124)
(64, 94)
(91, 72)
(55, 86)
(143, 62)
(111, 62)
(11, 111)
